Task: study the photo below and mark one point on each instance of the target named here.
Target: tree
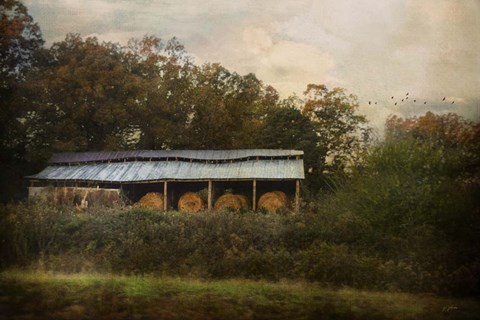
(226, 109)
(285, 127)
(166, 71)
(342, 133)
(20, 43)
(449, 131)
(82, 98)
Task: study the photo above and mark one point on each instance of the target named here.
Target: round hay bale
(228, 201)
(151, 200)
(273, 201)
(190, 202)
(244, 200)
(282, 195)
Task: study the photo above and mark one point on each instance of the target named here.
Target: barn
(107, 177)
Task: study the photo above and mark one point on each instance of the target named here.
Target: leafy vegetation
(18, 54)
(399, 215)
(405, 218)
(81, 94)
(342, 242)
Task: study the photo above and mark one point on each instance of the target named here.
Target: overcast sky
(375, 49)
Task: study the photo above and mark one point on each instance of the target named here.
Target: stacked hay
(273, 201)
(66, 195)
(244, 200)
(190, 202)
(59, 196)
(77, 196)
(102, 197)
(231, 201)
(43, 193)
(151, 200)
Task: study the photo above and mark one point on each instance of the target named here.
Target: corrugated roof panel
(175, 170)
(100, 156)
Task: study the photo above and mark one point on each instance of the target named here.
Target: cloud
(428, 48)
(258, 40)
(116, 37)
(375, 49)
(287, 65)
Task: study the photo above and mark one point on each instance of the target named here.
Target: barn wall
(79, 196)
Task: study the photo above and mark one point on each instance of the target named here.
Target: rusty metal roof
(137, 171)
(207, 155)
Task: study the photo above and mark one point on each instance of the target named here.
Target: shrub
(333, 245)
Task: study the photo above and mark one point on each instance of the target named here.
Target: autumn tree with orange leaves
(448, 131)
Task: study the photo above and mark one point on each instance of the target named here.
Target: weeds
(321, 247)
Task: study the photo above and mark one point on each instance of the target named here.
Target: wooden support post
(254, 195)
(209, 194)
(297, 196)
(165, 198)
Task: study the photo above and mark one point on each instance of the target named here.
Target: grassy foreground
(40, 295)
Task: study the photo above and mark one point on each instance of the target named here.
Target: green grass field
(40, 295)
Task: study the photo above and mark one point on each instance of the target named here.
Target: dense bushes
(318, 246)
(419, 207)
(407, 219)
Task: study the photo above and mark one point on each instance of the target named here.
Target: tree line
(81, 94)
(401, 213)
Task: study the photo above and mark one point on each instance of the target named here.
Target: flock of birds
(405, 98)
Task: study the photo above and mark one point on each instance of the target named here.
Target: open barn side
(182, 178)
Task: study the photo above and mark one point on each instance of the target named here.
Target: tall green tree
(325, 125)
(285, 127)
(20, 44)
(82, 98)
(166, 71)
(227, 109)
(342, 132)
